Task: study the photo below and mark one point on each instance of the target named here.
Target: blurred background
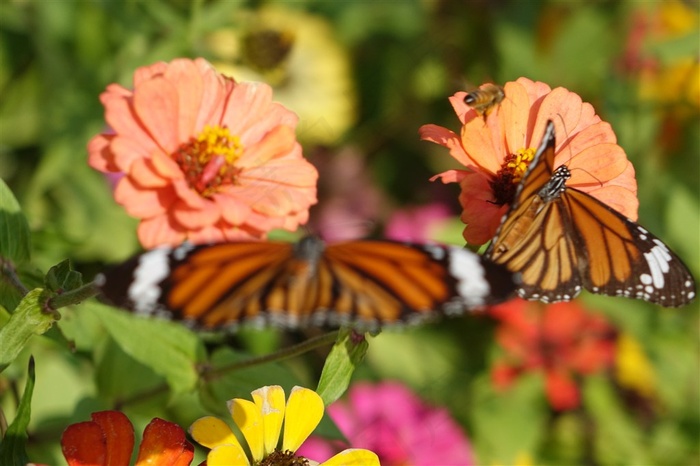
(363, 77)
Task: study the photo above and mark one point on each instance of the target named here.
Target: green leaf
(14, 229)
(508, 423)
(57, 275)
(346, 354)
(28, 319)
(226, 380)
(618, 438)
(170, 349)
(13, 446)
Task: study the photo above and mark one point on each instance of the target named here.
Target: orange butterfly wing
(562, 240)
(364, 283)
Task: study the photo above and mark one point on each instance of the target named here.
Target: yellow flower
(298, 55)
(632, 367)
(261, 422)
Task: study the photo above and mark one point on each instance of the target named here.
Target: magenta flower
(417, 224)
(398, 426)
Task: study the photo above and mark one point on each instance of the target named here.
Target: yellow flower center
(509, 176)
(208, 161)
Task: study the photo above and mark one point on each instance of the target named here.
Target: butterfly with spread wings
(367, 284)
(562, 240)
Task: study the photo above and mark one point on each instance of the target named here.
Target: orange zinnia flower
(203, 157)
(496, 153)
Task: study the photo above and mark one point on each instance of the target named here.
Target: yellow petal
(211, 432)
(353, 457)
(248, 418)
(270, 402)
(227, 455)
(304, 412)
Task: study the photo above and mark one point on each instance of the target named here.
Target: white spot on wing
(152, 269)
(466, 267)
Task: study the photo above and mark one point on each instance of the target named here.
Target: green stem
(286, 353)
(9, 274)
(75, 296)
(213, 374)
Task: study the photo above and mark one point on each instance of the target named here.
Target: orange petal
(254, 98)
(233, 210)
(192, 219)
(186, 78)
(515, 113)
(100, 155)
(126, 150)
(480, 214)
(276, 143)
(119, 435)
(164, 444)
(143, 203)
(159, 231)
(143, 173)
(120, 117)
(156, 106)
(483, 149)
(83, 444)
(451, 176)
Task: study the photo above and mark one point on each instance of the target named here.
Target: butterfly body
(367, 284)
(562, 240)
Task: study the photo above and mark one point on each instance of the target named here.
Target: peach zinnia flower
(203, 157)
(496, 153)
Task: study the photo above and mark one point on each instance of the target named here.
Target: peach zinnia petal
(500, 146)
(192, 144)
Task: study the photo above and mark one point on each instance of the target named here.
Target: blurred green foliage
(406, 58)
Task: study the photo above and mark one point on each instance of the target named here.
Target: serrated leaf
(13, 447)
(14, 229)
(57, 275)
(28, 319)
(73, 281)
(171, 350)
(346, 354)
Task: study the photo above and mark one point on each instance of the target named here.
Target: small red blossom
(561, 340)
(202, 157)
(108, 439)
(497, 151)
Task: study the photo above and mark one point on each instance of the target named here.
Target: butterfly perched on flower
(367, 284)
(562, 240)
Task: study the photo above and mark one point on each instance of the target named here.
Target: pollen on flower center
(509, 176)
(208, 161)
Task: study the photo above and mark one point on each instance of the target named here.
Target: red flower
(109, 440)
(561, 340)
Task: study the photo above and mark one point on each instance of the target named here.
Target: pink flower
(390, 420)
(416, 224)
(203, 158)
(496, 153)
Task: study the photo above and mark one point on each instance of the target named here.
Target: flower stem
(73, 296)
(209, 375)
(9, 274)
(286, 353)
